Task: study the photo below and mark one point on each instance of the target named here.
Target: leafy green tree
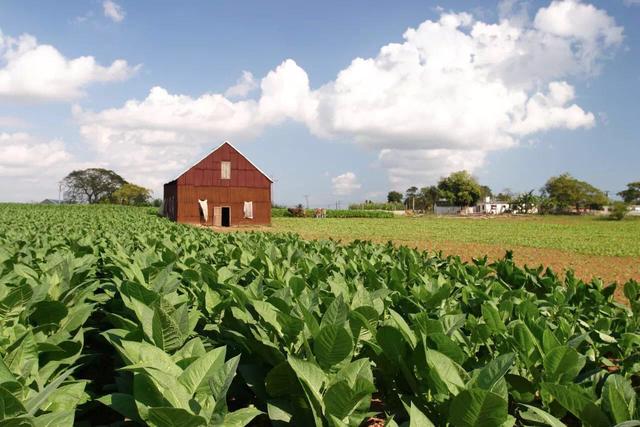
(410, 196)
(131, 194)
(91, 185)
(632, 194)
(460, 189)
(394, 197)
(565, 191)
(506, 196)
(525, 202)
(618, 211)
(428, 197)
(485, 191)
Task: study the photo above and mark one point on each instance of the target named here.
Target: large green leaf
(562, 364)
(495, 370)
(444, 371)
(312, 379)
(404, 328)
(239, 418)
(332, 345)
(17, 297)
(195, 377)
(10, 406)
(537, 415)
(34, 403)
(619, 398)
(148, 355)
(492, 318)
(124, 404)
(477, 408)
(173, 417)
(572, 398)
(55, 419)
(417, 418)
(167, 334)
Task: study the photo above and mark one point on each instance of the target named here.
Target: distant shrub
(362, 213)
(618, 211)
(331, 213)
(377, 206)
(279, 212)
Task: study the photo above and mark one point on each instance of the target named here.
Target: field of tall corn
(114, 316)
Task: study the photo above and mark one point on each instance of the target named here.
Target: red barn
(223, 189)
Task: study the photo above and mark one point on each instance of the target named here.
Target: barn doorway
(226, 216)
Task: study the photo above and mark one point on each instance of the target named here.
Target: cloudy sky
(334, 100)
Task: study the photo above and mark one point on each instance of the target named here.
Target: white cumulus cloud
(24, 155)
(39, 72)
(345, 184)
(113, 11)
(244, 85)
(452, 91)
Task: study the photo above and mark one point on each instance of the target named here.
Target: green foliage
(565, 192)
(131, 194)
(573, 234)
(394, 197)
(91, 185)
(371, 206)
(111, 315)
(618, 211)
(334, 213)
(460, 189)
(632, 194)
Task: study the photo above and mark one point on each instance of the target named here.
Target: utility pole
(273, 192)
(59, 191)
(306, 197)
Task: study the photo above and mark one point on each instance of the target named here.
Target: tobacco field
(115, 316)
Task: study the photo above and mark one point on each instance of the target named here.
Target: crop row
(111, 315)
(336, 213)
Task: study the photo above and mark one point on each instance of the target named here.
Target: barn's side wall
(170, 200)
(234, 197)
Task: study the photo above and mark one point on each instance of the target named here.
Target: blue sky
(513, 91)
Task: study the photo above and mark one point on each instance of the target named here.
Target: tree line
(97, 185)
(560, 194)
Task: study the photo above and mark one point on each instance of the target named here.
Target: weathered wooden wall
(171, 200)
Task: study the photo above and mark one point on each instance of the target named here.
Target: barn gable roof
(216, 149)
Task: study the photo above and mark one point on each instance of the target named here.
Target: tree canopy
(632, 194)
(565, 191)
(460, 189)
(91, 185)
(394, 197)
(131, 194)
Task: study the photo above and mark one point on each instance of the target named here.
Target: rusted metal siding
(207, 171)
(203, 181)
(233, 197)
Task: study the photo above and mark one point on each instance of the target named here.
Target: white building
(488, 207)
(491, 207)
